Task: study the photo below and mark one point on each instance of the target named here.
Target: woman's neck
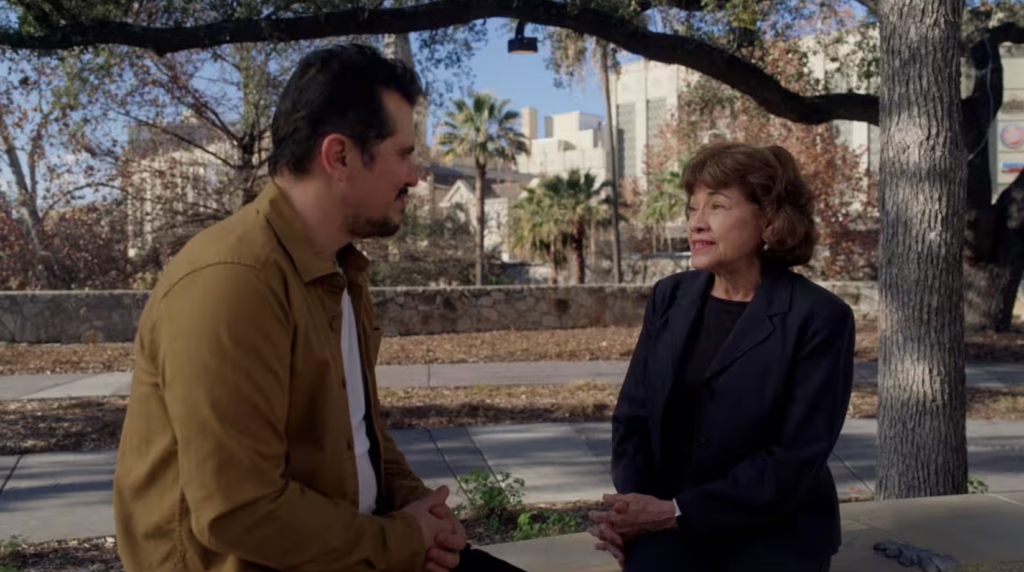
(739, 283)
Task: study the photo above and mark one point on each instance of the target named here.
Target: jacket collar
(773, 297)
(290, 230)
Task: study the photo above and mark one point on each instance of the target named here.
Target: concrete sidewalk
(67, 495)
(451, 375)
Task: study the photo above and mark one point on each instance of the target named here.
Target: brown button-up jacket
(237, 451)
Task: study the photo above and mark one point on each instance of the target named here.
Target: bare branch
(177, 136)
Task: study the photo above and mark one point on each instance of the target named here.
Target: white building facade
(572, 140)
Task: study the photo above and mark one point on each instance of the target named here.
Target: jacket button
(350, 445)
(703, 443)
(335, 323)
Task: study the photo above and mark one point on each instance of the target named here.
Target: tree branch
(667, 48)
(178, 136)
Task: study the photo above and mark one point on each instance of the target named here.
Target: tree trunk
(578, 246)
(481, 222)
(613, 165)
(552, 257)
(45, 267)
(247, 171)
(922, 449)
(254, 81)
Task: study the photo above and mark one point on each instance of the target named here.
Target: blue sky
(526, 81)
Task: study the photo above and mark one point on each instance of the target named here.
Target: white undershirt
(357, 406)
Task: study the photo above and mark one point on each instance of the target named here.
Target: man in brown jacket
(252, 439)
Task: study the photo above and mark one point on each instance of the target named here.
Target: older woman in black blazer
(737, 389)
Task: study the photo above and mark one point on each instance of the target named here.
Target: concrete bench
(985, 533)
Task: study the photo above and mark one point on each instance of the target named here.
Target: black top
(716, 320)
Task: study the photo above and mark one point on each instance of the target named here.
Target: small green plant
(492, 499)
(541, 524)
(11, 546)
(976, 486)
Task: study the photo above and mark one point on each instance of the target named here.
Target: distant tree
(554, 220)
(61, 222)
(846, 196)
(537, 229)
(437, 250)
(484, 130)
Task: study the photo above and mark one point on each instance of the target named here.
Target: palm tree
(665, 200)
(579, 198)
(556, 218)
(484, 130)
(537, 228)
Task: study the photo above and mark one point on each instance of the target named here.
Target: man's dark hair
(337, 90)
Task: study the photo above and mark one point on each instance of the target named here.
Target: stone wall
(71, 317)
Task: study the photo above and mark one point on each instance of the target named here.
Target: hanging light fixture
(520, 44)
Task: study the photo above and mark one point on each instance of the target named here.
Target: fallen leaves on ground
(1003, 404)
(497, 405)
(47, 425)
(79, 555)
(587, 344)
(88, 424)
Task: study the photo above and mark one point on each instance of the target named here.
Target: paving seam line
(881, 531)
(854, 473)
(482, 456)
(451, 469)
(1005, 499)
(10, 475)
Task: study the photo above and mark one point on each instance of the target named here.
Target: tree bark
(613, 165)
(922, 449)
(481, 222)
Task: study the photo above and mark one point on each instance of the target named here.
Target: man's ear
(335, 156)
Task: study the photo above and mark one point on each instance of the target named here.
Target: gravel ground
(90, 424)
(587, 344)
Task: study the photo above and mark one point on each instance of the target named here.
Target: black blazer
(768, 415)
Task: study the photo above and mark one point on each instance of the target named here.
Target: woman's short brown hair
(770, 178)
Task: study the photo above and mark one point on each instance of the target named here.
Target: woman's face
(725, 230)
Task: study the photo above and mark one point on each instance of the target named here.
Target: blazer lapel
(674, 330)
(755, 325)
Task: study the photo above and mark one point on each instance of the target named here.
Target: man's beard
(383, 227)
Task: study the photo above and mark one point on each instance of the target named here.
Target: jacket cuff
(404, 494)
(404, 542)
